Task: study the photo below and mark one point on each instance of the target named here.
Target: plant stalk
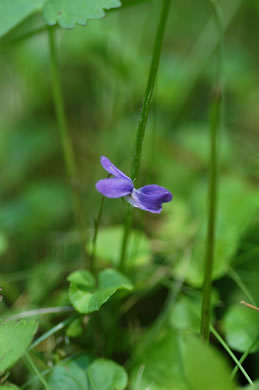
(209, 256)
(215, 124)
(143, 120)
(68, 152)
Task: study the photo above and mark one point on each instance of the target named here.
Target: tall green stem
(143, 119)
(215, 121)
(68, 152)
(149, 89)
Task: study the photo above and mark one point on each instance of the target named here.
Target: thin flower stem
(36, 371)
(143, 119)
(215, 123)
(149, 89)
(96, 230)
(69, 156)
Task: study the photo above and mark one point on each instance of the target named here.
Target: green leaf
(9, 387)
(106, 375)
(13, 12)
(241, 327)
(204, 368)
(181, 362)
(102, 374)
(68, 377)
(86, 298)
(15, 337)
(68, 13)
(109, 241)
(232, 222)
(82, 278)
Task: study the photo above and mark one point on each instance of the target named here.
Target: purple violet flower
(149, 198)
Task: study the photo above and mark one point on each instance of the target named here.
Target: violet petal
(114, 187)
(150, 198)
(155, 192)
(112, 169)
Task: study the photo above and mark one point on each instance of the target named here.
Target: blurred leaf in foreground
(175, 362)
(255, 386)
(15, 337)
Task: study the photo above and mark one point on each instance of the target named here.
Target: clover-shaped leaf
(102, 374)
(68, 13)
(68, 377)
(87, 296)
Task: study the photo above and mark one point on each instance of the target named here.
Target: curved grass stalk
(143, 120)
(244, 356)
(50, 332)
(231, 354)
(39, 312)
(37, 372)
(226, 347)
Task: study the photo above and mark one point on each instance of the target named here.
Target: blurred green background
(104, 68)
